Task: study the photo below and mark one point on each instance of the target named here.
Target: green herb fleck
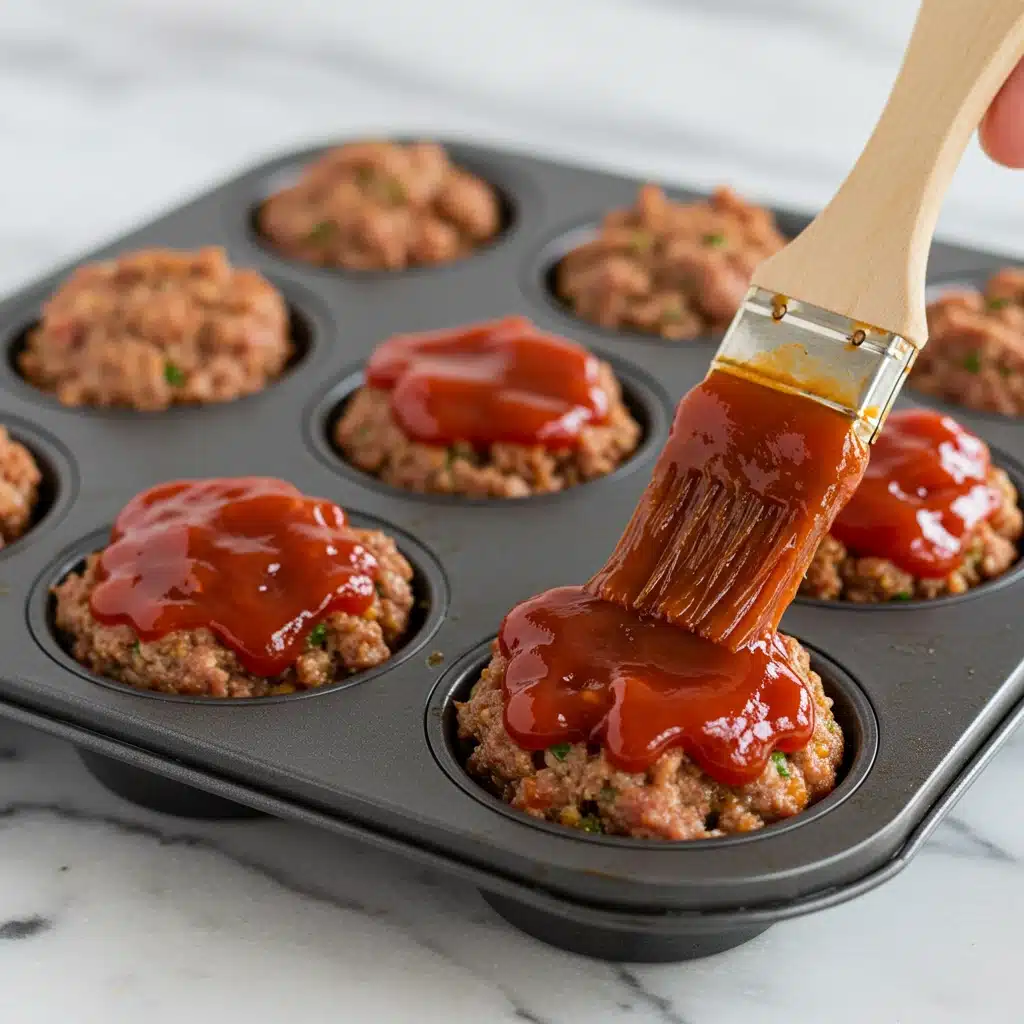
(381, 186)
(641, 242)
(830, 725)
(608, 792)
(1005, 371)
(903, 595)
(136, 647)
(321, 232)
(672, 310)
(972, 362)
(317, 635)
(450, 455)
(560, 751)
(714, 241)
(590, 823)
(996, 302)
(392, 191)
(435, 658)
(379, 587)
(781, 765)
(174, 375)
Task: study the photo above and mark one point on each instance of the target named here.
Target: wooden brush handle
(866, 253)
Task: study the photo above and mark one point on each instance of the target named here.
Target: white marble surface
(111, 110)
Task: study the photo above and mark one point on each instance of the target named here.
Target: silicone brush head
(763, 454)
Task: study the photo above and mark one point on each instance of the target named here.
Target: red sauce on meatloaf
(584, 670)
(250, 558)
(487, 383)
(925, 492)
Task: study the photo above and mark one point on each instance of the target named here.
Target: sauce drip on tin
(584, 670)
(250, 558)
(500, 381)
(923, 495)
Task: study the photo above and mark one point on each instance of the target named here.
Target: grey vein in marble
(661, 1006)
(24, 928)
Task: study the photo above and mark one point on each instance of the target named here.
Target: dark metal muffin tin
(925, 692)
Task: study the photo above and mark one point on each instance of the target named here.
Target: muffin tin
(925, 691)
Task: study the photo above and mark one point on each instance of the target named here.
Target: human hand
(1002, 130)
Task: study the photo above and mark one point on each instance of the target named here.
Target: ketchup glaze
(581, 669)
(250, 558)
(923, 495)
(499, 381)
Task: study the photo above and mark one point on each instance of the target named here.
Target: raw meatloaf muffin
(19, 487)
(836, 574)
(975, 350)
(157, 328)
(575, 785)
(382, 206)
(195, 663)
(371, 439)
(679, 270)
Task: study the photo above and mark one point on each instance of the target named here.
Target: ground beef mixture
(836, 574)
(679, 270)
(157, 328)
(975, 350)
(574, 785)
(193, 662)
(19, 488)
(371, 439)
(382, 206)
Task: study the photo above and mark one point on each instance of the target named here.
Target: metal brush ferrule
(790, 345)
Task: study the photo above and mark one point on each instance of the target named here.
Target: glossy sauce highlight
(584, 670)
(923, 495)
(501, 381)
(250, 558)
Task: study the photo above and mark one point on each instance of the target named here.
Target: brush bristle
(742, 495)
(721, 552)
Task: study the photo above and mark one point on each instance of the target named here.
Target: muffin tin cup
(926, 691)
(58, 485)
(851, 707)
(159, 793)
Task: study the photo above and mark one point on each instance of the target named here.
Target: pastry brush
(834, 320)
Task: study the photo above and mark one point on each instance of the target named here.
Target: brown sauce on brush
(746, 487)
(673, 642)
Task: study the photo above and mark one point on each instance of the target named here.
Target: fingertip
(1001, 132)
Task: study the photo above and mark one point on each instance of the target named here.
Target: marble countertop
(111, 110)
